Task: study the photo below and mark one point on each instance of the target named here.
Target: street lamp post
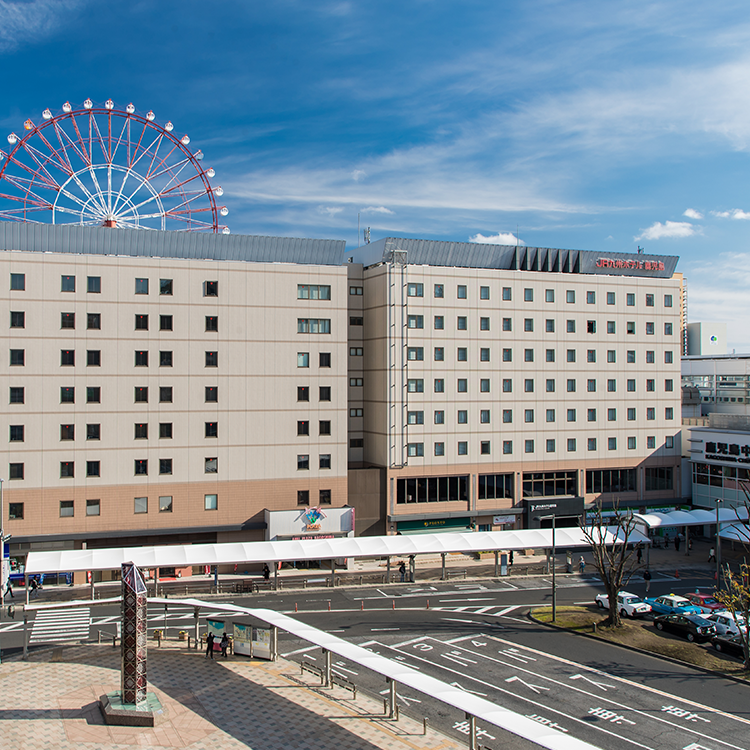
(718, 547)
(554, 582)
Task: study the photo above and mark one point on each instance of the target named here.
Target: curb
(635, 649)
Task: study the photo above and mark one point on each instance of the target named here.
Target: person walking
(677, 543)
(224, 645)
(402, 570)
(581, 565)
(647, 579)
(712, 555)
(666, 540)
(510, 557)
(210, 646)
(266, 571)
(639, 552)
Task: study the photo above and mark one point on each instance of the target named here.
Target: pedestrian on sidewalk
(210, 646)
(266, 571)
(666, 540)
(510, 557)
(402, 570)
(224, 645)
(647, 579)
(677, 543)
(639, 552)
(581, 565)
(712, 555)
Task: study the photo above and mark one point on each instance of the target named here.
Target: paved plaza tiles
(50, 703)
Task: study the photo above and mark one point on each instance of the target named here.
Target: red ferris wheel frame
(98, 165)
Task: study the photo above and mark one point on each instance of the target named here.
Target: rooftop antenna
(367, 236)
(640, 250)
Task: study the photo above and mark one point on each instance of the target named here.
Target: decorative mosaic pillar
(134, 635)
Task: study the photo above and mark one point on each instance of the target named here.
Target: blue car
(672, 604)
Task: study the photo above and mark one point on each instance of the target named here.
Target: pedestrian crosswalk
(61, 626)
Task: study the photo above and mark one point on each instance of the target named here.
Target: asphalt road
(476, 635)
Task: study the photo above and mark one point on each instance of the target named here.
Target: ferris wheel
(102, 166)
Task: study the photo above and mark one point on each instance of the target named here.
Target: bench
(455, 574)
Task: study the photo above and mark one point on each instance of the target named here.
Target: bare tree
(735, 595)
(611, 542)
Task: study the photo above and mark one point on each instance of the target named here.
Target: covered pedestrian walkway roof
(695, 517)
(67, 561)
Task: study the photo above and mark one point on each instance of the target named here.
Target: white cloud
(376, 210)
(23, 22)
(330, 210)
(501, 238)
(691, 213)
(735, 213)
(358, 174)
(658, 231)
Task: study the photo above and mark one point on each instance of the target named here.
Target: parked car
(671, 604)
(727, 623)
(628, 605)
(729, 644)
(705, 601)
(693, 627)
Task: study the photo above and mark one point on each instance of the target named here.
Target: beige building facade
(496, 377)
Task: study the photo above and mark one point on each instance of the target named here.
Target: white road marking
(299, 651)
(479, 599)
(408, 643)
(61, 625)
(602, 685)
(482, 610)
(402, 697)
(14, 626)
(374, 629)
(505, 611)
(454, 660)
(534, 688)
(463, 638)
(466, 690)
(340, 665)
(454, 619)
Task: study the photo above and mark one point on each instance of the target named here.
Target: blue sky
(589, 125)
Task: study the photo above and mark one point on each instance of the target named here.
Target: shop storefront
(568, 512)
(720, 465)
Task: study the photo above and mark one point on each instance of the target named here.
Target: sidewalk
(50, 703)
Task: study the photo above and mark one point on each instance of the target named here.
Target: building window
(67, 469)
(324, 497)
(631, 385)
(668, 384)
(94, 321)
(212, 394)
(610, 480)
(611, 415)
(630, 327)
(528, 325)
(141, 395)
(591, 385)
(93, 358)
(303, 462)
(463, 448)
(668, 357)
(484, 416)
(649, 329)
(668, 413)
(507, 324)
(313, 325)
(18, 282)
(591, 355)
(549, 295)
(550, 385)
(528, 385)
(571, 415)
(93, 431)
(528, 415)
(528, 446)
(324, 461)
(165, 394)
(66, 508)
(324, 358)
(414, 417)
(549, 325)
(463, 416)
(484, 448)
(415, 449)
(68, 284)
(631, 443)
(484, 292)
(630, 300)
(415, 385)
(17, 319)
(669, 441)
(165, 466)
(67, 395)
(67, 357)
(211, 502)
(165, 430)
(650, 413)
(15, 511)
(611, 327)
(439, 417)
(507, 416)
(550, 415)
(611, 385)
(439, 322)
(610, 298)
(415, 353)
(550, 355)
(484, 324)
(484, 355)
(303, 359)
(591, 326)
(165, 504)
(612, 444)
(592, 444)
(16, 433)
(16, 471)
(67, 320)
(484, 385)
(356, 412)
(313, 291)
(439, 385)
(528, 295)
(439, 291)
(356, 321)
(461, 291)
(462, 354)
(212, 323)
(631, 414)
(439, 449)
(210, 288)
(93, 468)
(303, 497)
(507, 385)
(658, 478)
(303, 427)
(507, 355)
(528, 355)
(17, 357)
(667, 329)
(356, 291)
(570, 326)
(507, 447)
(571, 445)
(211, 429)
(141, 286)
(93, 507)
(140, 505)
(611, 356)
(650, 357)
(650, 384)
(141, 431)
(591, 415)
(570, 355)
(165, 286)
(506, 294)
(631, 357)
(651, 442)
(667, 300)
(570, 296)
(141, 359)
(303, 393)
(649, 300)
(550, 445)
(462, 385)
(415, 321)
(141, 466)
(415, 290)
(461, 323)
(67, 432)
(212, 359)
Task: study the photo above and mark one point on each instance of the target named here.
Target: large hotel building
(170, 388)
